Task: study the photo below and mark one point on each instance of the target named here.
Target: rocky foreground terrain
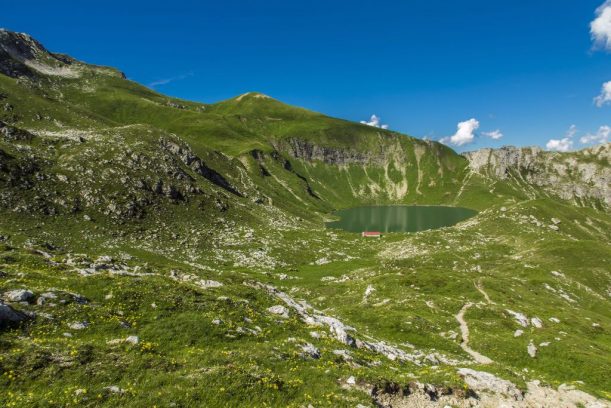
(161, 252)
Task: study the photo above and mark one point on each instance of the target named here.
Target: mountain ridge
(580, 175)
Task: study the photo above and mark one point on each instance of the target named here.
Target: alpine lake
(399, 218)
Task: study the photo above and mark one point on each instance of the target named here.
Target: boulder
(536, 322)
(18, 295)
(78, 325)
(113, 389)
(130, 340)
(520, 318)
(9, 316)
(308, 350)
(279, 310)
(482, 381)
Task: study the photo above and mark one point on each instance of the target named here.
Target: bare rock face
(578, 176)
(302, 149)
(15, 49)
(485, 390)
(23, 56)
(482, 381)
(499, 162)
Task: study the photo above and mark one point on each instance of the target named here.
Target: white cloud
(605, 95)
(600, 28)
(166, 81)
(495, 134)
(375, 122)
(560, 145)
(465, 133)
(601, 136)
(565, 144)
(571, 132)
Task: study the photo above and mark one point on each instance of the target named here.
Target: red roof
(371, 233)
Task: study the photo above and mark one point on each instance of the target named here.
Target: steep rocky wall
(391, 170)
(582, 176)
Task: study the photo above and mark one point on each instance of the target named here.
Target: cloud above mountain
(374, 121)
(560, 145)
(564, 144)
(495, 134)
(600, 27)
(601, 136)
(605, 95)
(465, 133)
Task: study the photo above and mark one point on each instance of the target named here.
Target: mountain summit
(22, 55)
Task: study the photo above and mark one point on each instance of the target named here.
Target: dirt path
(480, 288)
(464, 330)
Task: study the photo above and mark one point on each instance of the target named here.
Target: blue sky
(529, 68)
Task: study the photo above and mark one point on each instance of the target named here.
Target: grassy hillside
(159, 238)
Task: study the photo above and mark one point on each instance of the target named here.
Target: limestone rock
(18, 295)
(520, 318)
(308, 350)
(78, 325)
(482, 381)
(279, 310)
(536, 322)
(571, 176)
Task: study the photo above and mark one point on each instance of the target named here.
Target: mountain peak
(21, 55)
(255, 95)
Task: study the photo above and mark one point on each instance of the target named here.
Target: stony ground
(322, 317)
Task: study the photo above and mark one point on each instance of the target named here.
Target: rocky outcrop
(23, 56)
(18, 295)
(197, 165)
(12, 133)
(15, 49)
(583, 176)
(308, 151)
(482, 389)
(346, 334)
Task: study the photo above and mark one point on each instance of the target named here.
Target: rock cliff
(583, 176)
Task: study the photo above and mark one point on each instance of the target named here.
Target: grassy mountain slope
(129, 213)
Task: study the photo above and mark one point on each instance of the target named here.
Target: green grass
(98, 197)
